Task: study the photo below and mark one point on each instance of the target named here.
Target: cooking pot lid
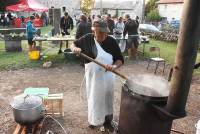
(25, 101)
(148, 85)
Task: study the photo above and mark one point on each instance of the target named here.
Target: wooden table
(65, 38)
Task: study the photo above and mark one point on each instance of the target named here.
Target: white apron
(99, 88)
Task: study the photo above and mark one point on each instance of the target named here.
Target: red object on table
(17, 22)
(38, 22)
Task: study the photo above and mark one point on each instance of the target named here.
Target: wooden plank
(62, 107)
(35, 128)
(57, 113)
(55, 96)
(54, 104)
(17, 129)
(23, 130)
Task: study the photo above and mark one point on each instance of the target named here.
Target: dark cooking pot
(148, 88)
(27, 109)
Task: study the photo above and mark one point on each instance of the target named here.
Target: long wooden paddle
(102, 65)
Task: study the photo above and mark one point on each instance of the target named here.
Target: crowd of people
(118, 27)
(8, 19)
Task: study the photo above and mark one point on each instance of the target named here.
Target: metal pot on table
(27, 109)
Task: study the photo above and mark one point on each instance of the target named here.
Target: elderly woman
(99, 82)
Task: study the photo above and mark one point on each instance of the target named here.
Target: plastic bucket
(69, 55)
(34, 55)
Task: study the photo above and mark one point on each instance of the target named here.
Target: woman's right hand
(76, 50)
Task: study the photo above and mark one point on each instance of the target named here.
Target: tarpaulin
(27, 5)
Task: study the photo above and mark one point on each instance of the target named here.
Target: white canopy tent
(132, 7)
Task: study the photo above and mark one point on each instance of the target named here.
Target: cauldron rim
(146, 97)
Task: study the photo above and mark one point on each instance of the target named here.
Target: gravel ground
(67, 79)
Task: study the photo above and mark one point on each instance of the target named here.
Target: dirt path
(67, 79)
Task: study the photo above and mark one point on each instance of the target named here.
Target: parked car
(175, 24)
(148, 29)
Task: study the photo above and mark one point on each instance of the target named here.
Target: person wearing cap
(99, 82)
(31, 31)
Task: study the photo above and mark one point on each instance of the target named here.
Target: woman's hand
(110, 67)
(75, 49)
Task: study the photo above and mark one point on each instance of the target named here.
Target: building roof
(169, 1)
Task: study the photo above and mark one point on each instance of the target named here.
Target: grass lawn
(17, 60)
(21, 60)
(167, 51)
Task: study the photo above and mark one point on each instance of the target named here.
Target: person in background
(66, 23)
(93, 17)
(34, 14)
(111, 23)
(118, 30)
(98, 17)
(131, 28)
(137, 19)
(119, 27)
(99, 82)
(44, 18)
(9, 18)
(3, 20)
(37, 16)
(31, 31)
(23, 25)
(83, 27)
(75, 20)
(89, 19)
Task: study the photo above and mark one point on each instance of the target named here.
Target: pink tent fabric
(27, 5)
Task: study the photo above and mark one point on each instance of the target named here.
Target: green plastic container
(42, 91)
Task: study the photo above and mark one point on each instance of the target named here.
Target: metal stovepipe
(185, 57)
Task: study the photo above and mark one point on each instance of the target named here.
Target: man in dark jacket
(131, 28)
(83, 27)
(66, 22)
(110, 23)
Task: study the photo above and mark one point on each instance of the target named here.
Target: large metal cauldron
(27, 109)
(149, 88)
(141, 109)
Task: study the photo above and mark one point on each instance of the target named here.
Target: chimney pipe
(185, 57)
